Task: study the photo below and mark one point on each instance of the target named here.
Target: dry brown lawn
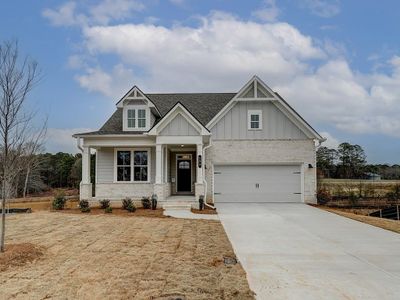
(103, 257)
(387, 224)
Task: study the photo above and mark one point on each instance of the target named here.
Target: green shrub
(104, 203)
(84, 206)
(126, 203)
(59, 201)
(108, 210)
(131, 208)
(146, 203)
(323, 196)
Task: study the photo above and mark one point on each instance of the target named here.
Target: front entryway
(184, 175)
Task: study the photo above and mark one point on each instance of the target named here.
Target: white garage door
(245, 183)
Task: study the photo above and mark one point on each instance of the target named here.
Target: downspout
(78, 143)
(204, 176)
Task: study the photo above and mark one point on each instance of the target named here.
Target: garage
(257, 183)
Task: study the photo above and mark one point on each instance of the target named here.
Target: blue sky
(337, 62)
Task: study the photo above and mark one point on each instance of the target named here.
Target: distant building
(372, 176)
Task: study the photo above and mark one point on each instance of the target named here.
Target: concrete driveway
(295, 251)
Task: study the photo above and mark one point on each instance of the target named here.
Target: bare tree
(17, 78)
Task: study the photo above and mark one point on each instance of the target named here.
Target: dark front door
(184, 175)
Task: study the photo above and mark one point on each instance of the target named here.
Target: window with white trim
(131, 118)
(140, 170)
(136, 118)
(141, 118)
(254, 120)
(123, 165)
(132, 165)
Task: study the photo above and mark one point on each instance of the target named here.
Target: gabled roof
(179, 108)
(256, 90)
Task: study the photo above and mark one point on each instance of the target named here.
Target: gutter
(204, 176)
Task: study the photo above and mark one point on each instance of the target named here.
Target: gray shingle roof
(204, 106)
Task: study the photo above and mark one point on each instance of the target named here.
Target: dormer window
(131, 118)
(136, 118)
(141, 118)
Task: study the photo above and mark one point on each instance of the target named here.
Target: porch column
(85, 187)
(86, 165)
(158, 164)
(199, 169)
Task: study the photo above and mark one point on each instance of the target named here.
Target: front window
(123, 166)
(132, 165)
(254, 120)
(140, 166)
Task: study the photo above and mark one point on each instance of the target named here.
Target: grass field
(339, 187)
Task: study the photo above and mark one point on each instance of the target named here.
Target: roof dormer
(138, 111)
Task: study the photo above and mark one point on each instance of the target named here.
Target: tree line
(350, 162)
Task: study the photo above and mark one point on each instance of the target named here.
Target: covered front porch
(166, 166)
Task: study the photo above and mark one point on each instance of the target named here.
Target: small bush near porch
(100, 256)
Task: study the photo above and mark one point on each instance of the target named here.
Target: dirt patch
(205, 211)
(140, 212)
(42, 205)
(102, 257)
(19, 255)
(391, 225)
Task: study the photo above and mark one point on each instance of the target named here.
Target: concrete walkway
(295, 251)
(187, 214)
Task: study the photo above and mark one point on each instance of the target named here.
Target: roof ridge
(194, 93)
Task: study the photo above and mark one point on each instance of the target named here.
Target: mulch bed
(19, 255)
(140, 212)
(205, 211)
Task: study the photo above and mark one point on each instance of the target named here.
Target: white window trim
(254, 112)
(132, 164)
(135, 107)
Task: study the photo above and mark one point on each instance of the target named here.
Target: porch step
(177, 205)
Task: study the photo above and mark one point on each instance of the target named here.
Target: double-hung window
(140, 169)
(132, 165)
(141, 118)
(131, 118)
(136, 118)
(124, 166)
(254, 120)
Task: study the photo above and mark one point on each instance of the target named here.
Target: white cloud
(61, 140)
(330, 142)
(101, 14)
(269, 13)
(108, 10)
(112, 85)
(65, 15)
(219, 54)
(323, 8)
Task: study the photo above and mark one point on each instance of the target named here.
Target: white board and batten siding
(275, 125)
(179, 126)
(257, 183)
